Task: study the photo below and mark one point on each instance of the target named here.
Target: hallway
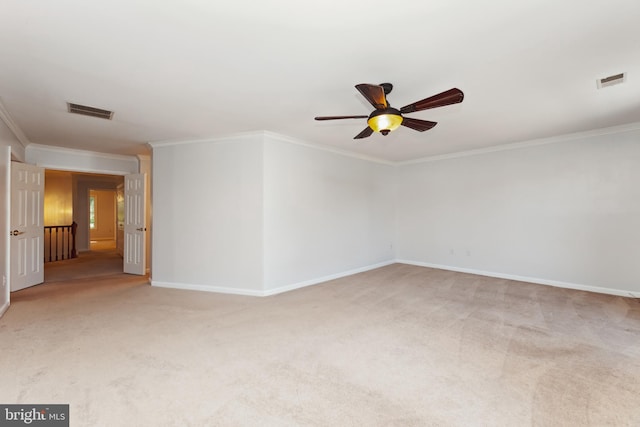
(101, 260)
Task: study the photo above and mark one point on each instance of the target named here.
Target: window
(92, 212)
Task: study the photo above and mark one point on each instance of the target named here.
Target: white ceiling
(194, 69)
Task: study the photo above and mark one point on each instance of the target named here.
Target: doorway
(102, 219)
(91, 201)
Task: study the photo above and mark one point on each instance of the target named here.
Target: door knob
(15, 233)
(141, 229)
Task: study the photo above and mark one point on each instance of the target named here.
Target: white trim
(212, 140)
(525, 144)
(85, 153)
(207, 288)
(83, 170)
(492, 149)
(35, 150)
(273, 135)
(13, 127)
(268, 292)
(292, 140)
(143, 158)
(555, 283)
(323, 279)
(6, 193)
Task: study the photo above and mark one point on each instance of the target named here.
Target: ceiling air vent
(612, 80)
(89, 111)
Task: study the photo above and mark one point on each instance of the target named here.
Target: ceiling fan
(385, 118)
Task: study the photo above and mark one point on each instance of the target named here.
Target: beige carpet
(397, 346)
(101, 260)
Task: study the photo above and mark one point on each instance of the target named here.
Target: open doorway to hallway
(94, 202)
(106, 219)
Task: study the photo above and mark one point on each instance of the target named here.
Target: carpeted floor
(397, 346)
(101, 260)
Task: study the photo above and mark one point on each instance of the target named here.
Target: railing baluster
(49, 244)
(74, 227)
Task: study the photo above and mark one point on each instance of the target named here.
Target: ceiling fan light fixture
(385, 121)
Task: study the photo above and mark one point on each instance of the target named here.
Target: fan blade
(417, 124)
(451, 96)
(374, 94)
(340, 117)
(364, 134)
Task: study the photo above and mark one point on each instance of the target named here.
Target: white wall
(324, 214)
(566, 213)
(207, 218)
(259, 214)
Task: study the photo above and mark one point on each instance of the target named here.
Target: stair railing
(60, 242)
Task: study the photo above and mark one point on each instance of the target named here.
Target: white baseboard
(208, 288)
(298, 285)
(556, 283)
(323, 279)
(268, 292)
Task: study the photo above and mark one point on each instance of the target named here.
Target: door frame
(5, 220)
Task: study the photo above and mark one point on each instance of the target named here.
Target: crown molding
(212, 140)
(13, 127)
(346, 153)
(262, 134)
(525, 144)
(492, 149)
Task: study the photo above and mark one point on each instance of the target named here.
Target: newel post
(74, 227)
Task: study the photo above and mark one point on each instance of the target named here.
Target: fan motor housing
(385, 120)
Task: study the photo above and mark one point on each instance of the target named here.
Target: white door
(27, 226)
(135, 228)
(5, 214)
